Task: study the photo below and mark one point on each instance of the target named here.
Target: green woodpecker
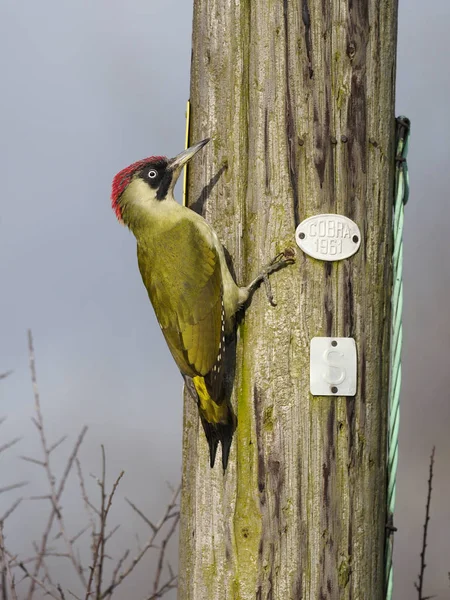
(183, 267)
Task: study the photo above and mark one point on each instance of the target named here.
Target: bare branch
(55, 493)
(171, 487)
(47, 576)
(35, 461)
(9, 444)
(79, 534)
(57, 554)
(13, 486)
(141, 514)
(117, 568)
(111, 533)
(169, 585)
(419, 585)
(57, 444)
(5, 568)
(104, 538)
(36, 568)
(5, 375)
(162, 552)
(98, 556)
(101, 539)
(39, 583)
(87, 503)
(10, 510)
(150, 544)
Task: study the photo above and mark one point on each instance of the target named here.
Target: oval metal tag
(328, 237)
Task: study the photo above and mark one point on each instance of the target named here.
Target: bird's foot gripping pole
(285, 258)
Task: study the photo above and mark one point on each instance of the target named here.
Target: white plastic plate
(333, 366)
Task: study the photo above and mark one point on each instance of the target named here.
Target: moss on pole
(298, 97)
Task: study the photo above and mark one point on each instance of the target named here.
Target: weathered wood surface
(298, 97)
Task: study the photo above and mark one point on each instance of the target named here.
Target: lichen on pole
(298, 98)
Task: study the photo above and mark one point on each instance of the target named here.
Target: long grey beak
(181, 159)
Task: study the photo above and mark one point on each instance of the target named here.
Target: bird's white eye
(152, 174)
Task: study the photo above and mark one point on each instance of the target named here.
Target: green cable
(401, 197)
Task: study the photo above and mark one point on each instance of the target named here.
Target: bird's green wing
(183, 279)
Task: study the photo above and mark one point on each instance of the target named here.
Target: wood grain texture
(298, 97)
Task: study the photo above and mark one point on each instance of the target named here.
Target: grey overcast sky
(87, 88)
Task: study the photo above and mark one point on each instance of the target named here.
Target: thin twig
(3, 582)
(141, 514)
(15, 563)
(55, 492)
(57, 444)
(79, 534)
(13, 486)
(162, 552)
(9, 444)
(35, 461)
(29, 575)
(150, 544)
(5, 568)
(92, 581)
(111, 533)
(87, 503)
(47, 576)
(419, 585)
(169, 585)
(98, 555)
(57, 554)
(10, 510)
(102, 541)
(52, 516)
(117, 568)
(39, 583)
(50, 477)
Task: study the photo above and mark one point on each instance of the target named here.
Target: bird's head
(149, 180)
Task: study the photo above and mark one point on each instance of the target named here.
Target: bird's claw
(287, 257)
(268, 289)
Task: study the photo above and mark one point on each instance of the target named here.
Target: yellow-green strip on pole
(186, 145)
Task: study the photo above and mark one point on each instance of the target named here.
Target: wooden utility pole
(298, 97)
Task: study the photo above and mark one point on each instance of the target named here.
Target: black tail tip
(215, 433)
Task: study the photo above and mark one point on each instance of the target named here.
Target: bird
(185, 272)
